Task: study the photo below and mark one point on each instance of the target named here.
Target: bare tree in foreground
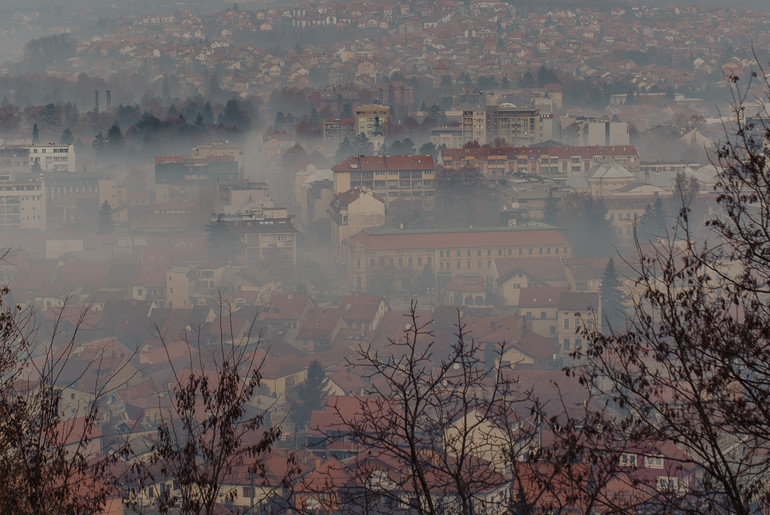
(212, 431)
(48, 463)
(689, 380)
(440, 431)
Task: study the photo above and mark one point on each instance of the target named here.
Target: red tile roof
(545, 296)
(385, 163)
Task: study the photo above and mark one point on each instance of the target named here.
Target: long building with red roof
(385, 256)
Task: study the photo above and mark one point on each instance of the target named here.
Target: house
(510, 275)
(540, 306)
(319, 329)
(578, 311)
(362, 312)
(285, 313)
(351, 212)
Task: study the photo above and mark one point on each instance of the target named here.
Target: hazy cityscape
(457, 257)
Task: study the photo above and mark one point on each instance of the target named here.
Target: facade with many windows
(539, 160)
(51, 157)
(22, 204)
(400, 256)
(391, 177)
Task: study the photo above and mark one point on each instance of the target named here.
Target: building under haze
(351, 212)
(368, 118)
(399, 256)
(50, 157)
(265, 233)
(23, 204)
(392, 177)
(554, 160)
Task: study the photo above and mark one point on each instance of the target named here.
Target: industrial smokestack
(96, 100)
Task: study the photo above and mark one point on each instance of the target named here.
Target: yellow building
(400, 256)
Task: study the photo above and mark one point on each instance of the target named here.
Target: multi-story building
(398, 256)
(337, 129)
(368, 117)
(265, 233)
(474, 126)
(539, 160)
(23, 204)
(183, 178)
(351, 212)
(515, 125)
(116, 197)
(219, 149)
(596, 131)
(391, 177)
(51, 157)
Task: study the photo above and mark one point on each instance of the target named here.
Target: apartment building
(368, 117)
(49, 157)
(23, 204)
(390, 177)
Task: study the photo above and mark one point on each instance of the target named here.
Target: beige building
(116, 198)
(390, 177)
(180, 286)
(352, 212)
(399, 256)
(220, 149)
(366, 117)
(474, 126)
(22, 204)
(577, 310)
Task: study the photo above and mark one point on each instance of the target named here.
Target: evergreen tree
(35, 133)
(429, 148)
(362, 146)
(344, 151)
(66, 137)
(310, 395)
(613, 299)
(208, 113)
(105, 218)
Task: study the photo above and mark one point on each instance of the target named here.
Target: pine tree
(344, 151)
(105, 218)
(310, 395)
(613, 299)
(35, 133)
(66, 137)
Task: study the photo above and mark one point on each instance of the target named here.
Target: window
(566, 322)
(653, 462)
(419, 261)
(468, 265)
(469, 253)
(628, 460)
(542, 314)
